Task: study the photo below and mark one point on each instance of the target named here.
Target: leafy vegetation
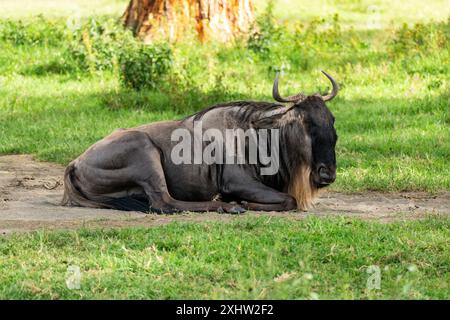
(263, 258)
(36, 32)
(96, 44)
(145, 65)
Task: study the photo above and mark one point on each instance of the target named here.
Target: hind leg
(127, 159)
(155, 186)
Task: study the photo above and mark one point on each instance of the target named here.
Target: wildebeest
(132, 169)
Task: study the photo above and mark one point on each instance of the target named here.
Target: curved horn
(335, 90)
(276, 94)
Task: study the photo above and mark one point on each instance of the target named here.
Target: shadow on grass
(176, 101)
(53, 67)
(385, 117)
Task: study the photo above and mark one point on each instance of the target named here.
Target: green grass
(354, 12)
(263, 258)
(392, 118)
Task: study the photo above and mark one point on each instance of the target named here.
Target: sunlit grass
(359, 14)
(263, 258)
(362, 14)
(61, 8)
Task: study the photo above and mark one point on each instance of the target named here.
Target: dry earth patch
(30, 192)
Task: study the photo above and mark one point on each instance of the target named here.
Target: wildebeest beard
(295, 154)
(295, 168)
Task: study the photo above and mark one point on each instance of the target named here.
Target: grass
(357, 13)
(263, 258)
(391, 117)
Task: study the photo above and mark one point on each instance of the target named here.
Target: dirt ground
(30, 192)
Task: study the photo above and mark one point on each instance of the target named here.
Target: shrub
(35, 31)
(143, 66)
(103, 44)
(265, 32)
(420, 38)
(97, 43)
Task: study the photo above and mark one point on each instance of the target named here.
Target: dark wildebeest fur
(131, 169)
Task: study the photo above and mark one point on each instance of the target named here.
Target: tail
(73, 196)
(130, 203)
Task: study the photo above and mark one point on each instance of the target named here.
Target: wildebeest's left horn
(335, 90)
(277, 97)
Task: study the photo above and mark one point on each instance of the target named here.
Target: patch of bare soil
(30, 193)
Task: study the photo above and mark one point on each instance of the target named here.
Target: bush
(103, 44)
(143, 66)
(302, 45)
(97, 43)
(265, 32)
(420, 38)
(35, 31)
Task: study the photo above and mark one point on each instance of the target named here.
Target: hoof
(162, 210)
(236, 210)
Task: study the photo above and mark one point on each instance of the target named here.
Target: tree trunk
(221, 20)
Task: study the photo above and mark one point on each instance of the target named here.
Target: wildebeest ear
(279, 118)
(269, 121)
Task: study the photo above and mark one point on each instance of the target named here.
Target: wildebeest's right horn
(335, 90)
(277, 97)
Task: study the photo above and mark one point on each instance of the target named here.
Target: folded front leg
(255, 195)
